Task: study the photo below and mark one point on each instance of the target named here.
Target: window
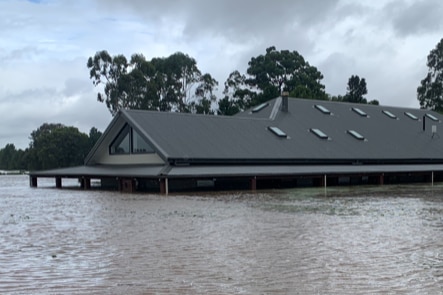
(319, 133)
(277, 131)
(121, 144)
(356, 135)
(389, 114)
(128, 141)
(260, 107)
(432, 117)
(360, 112)
(139, 145)
(412, 116)
(322, 109)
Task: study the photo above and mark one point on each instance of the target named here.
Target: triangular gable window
(139, 145)
(128, 141)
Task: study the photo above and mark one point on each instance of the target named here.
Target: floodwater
(360, 240)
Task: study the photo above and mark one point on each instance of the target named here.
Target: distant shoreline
(13, 172)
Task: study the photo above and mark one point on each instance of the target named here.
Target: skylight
(322, 109)
(389, 114)
(319, 133)
(412, 116)
(432, 117)
(360, 112)
(277, 131)
(260, 107)
(356, 135)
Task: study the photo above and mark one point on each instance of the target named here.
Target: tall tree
(284, 70)
(56, 145)
(94, 135)
(356, 90)
(108, 70)
(9, 157)
(430, 91)
(164, 84)
(237, 95)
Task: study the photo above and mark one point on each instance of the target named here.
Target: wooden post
(253, 183)
(325, 182)
(127, 185)
(86, 183)
(381, 179)
(33, 181)
(58, 182)
(432, 178)
(164, 186)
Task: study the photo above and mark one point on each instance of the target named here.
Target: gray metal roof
(245, 138)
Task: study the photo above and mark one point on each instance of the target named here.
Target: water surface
(353, 241)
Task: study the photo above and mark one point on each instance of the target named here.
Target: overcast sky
(45, 44)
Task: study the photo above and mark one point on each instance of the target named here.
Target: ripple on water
(295, 241)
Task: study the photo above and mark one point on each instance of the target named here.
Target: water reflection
(296, 241)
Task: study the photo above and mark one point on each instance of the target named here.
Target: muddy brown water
(360, 240)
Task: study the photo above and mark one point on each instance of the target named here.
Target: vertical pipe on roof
(285, 104)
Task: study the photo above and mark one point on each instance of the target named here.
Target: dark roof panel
(245, 137)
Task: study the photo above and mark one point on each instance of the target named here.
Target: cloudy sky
(44, 46)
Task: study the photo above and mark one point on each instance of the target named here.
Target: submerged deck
(161, 179)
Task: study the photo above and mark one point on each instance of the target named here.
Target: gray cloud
(424, 16)
(45, 47)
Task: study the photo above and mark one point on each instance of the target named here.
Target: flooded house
(285, 142)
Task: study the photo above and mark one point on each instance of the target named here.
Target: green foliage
(56, 146)
(237, 95)
(284, 70)
(356, 90)
(11, 158)
(267, 76)
(51, 146)
(163, 84)
(430, 91)
(94, 135)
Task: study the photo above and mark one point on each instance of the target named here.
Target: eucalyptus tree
(356, 90)
(173, 83)
(430, 91)
(237, 95)
(284, 70)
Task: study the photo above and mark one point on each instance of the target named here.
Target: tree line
(176, 84)
(52, 146)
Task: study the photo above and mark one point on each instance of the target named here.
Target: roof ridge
(217, 117)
